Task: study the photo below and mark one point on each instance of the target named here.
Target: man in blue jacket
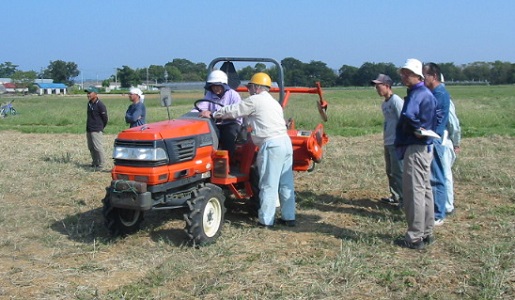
(136, 112)
(439, 164)
(416, 150)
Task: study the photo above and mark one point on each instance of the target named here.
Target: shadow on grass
(88, 226)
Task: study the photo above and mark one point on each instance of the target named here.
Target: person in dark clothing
(136, 112)
(96, 122)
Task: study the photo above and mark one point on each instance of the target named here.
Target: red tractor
(176, 164)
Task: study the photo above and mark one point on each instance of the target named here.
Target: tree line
(296, 73)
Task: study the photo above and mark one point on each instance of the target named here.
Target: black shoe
(289, 223)
(428, 240)
(260, 225)
(389, 200)
(411, 245)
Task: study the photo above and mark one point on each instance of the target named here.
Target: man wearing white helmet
(218, 91)
(416, 150)
(136, 112)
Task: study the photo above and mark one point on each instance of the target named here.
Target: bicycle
(7, 109)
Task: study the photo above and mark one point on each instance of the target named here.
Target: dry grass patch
(53, 244)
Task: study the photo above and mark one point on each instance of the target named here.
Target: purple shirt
(230, 97)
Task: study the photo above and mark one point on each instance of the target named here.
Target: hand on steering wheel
(205, 113)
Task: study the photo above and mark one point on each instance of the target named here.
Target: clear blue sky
(102, 35)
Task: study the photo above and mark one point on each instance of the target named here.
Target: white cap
(414, 65)
(136, 91)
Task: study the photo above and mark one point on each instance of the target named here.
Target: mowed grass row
(483, 111)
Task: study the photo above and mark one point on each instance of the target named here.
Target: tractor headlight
(143, 154)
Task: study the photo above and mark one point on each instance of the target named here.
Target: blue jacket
(443, 102)
(135, 114)
(418, 111)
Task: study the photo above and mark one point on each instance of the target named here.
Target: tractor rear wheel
(120, 221)
(206, 216)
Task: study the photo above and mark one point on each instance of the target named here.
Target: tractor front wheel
(206, 216)
(120, 221)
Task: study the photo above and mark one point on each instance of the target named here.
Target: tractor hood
(167, 130)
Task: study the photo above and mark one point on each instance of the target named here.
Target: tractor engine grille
(181, 150)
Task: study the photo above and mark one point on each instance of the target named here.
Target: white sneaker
(438, 222)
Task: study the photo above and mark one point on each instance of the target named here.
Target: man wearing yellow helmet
(275, 156)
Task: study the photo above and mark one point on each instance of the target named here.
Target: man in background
(95, 124)
(136, 112)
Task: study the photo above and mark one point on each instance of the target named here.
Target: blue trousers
(274, 161)
(438, 180)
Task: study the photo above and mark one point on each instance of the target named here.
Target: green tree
(294, 74)
(477, 71)
(156, 73)
(106, 83)
(346, 75)
(246, 73)
(128, 77)
(24, 79)
(7, 69)
(172, 74)
(62, 72)
(318, 71)
(189, 70)
(501, 72)
(451, 72)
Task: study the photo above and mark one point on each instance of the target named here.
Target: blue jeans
(438, 179)
(274, 161)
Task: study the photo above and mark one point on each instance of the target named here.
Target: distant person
(218, 91)
(391, 107)
(136, 112)
(441, 160)
(418, 112)
(275, 156)
(95, 123)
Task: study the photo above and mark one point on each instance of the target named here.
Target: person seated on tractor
(221, 94)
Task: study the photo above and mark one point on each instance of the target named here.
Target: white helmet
(414, 65)
(217, 76)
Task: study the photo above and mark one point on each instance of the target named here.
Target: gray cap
(384, 79)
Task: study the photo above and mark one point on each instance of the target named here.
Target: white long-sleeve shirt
(264, 114)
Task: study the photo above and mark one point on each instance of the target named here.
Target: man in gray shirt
(391, 107)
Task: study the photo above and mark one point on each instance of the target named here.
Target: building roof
(51, 85)
(9, 85)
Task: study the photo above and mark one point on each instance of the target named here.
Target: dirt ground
(53, 244)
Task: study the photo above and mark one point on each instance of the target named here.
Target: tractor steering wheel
(205, 100)
(195, 104)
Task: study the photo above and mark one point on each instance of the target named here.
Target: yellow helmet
(261, 79)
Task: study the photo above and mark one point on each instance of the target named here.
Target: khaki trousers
(417, 192)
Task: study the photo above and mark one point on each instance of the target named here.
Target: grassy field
(54, 246)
